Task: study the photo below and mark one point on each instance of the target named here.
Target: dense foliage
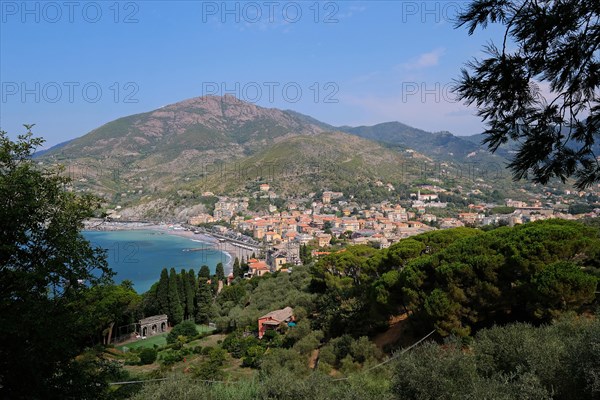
(518, 361)
(48, 271)
(560, 361)
(545, 42)
(186, 329)
(461, 279)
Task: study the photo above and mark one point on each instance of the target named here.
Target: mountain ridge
(178, 147)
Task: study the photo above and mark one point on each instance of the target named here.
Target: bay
(140, 255)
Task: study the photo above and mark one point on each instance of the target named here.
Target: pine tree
(175, 310)
(162, 292)
(237, 270)
(220, 272)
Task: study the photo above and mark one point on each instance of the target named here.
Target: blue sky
(71, 67)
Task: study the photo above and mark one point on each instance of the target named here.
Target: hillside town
(329, 221)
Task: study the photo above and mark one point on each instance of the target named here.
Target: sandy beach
(231, 251)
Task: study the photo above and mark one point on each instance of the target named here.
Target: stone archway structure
(153, 325)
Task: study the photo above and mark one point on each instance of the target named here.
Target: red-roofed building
(257, 268)
(274, 319)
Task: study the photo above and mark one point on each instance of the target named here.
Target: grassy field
(159, 340)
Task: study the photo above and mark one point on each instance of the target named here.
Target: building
(274, 319)
(323, 239)
(276, 260)
(257, 268)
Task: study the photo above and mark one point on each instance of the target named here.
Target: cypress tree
(237, 270)
(204, 273)
(189, 284)
(181, 288)
(220, 272)
(175, 310)
(204, 303)
(162, 292)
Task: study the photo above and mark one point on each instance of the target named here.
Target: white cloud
(425, 60)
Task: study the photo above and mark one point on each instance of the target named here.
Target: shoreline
(227, 248)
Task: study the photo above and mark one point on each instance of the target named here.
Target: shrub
(185, 328)
(170, 357)
(148, 356)
(253, 356)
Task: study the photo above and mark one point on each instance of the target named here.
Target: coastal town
(279, 237)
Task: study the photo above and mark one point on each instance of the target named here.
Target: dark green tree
(190, 294)
(162, 292)
(181, 288)
(204, 303)
(185, 328)
(175, 309)
(148, 355)
(204, 273)
(220, 272)
(545, 42)
(305, 254)
(561, 287)
(237, 270)
(46, 266)
(103, 307)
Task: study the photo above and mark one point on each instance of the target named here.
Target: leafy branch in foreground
(46, 266)
(556, 44)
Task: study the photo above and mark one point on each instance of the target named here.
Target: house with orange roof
(289, 236)
(275, 319)
(257, 268)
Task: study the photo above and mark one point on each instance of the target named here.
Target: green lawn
(159, 340)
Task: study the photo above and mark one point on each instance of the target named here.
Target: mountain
(218, 127)
(329, 161)
(439, 145)
(54, 148)
(166, 158)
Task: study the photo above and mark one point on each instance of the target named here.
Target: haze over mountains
(199, 144)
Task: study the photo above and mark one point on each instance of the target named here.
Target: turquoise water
(140, 255)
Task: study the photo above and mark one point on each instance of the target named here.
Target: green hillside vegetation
(308, 164)
(531, 272)
(510, 313)
(541, 272)
(557, 361)
(156, 164)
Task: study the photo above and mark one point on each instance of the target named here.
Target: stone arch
(153, 325)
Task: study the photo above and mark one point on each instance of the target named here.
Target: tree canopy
(540, 86)
(46, 266)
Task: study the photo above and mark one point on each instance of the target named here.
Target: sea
(140, 255)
